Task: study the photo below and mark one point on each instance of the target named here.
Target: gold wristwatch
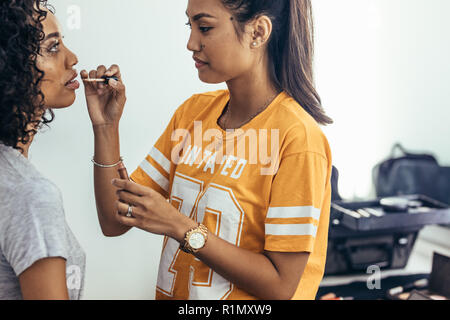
(195, 239)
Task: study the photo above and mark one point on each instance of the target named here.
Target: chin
(63, 102)
(209, 79)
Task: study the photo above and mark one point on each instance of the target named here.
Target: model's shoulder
(39, 190)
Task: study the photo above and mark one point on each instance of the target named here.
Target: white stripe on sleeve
(160, 159)
(156, 176)
(293, 212)
(291, 230)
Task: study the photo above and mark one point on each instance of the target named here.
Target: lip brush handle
(103, 79)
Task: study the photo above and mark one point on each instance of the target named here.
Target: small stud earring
(254, 43)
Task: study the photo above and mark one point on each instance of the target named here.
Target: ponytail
(290, 48)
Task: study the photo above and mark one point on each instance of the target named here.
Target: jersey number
(217, 208)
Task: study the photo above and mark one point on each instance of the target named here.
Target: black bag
(335, 196)
(412, 174)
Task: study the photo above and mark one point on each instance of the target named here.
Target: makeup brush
(350, 213)
(103, 79)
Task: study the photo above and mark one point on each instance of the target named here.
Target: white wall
(382, 71)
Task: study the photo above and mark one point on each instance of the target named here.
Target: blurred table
(431, 239)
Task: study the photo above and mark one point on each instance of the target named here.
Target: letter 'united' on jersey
(263, 187)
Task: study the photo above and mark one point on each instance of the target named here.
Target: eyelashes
(205, 29)
(54, 47)
(202, 29)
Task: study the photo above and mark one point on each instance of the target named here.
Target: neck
(249, 93)
(25, 147)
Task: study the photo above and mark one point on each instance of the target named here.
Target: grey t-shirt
(33, 226)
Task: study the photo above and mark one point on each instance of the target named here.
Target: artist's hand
(151, 211)
(105, 102)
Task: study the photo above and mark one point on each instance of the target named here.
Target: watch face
(197, 240)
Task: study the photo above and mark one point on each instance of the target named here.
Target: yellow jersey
(262, 187)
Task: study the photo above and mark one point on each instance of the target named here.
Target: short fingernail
(113, 181)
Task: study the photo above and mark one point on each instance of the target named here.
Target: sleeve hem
(22, 267)
(279, 247)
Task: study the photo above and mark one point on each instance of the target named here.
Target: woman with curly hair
(39, 255)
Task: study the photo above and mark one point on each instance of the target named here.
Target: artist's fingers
(130, 222)
(131, 187)
(93, 75)
(101, 70)
(90, 87)
(119, 87)
(87, 85)
(122, 210)
(114, 70)
(84, 75)
(130, 198)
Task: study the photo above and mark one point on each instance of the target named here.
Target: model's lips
(199, 63)
(73, 75)
(72, 83)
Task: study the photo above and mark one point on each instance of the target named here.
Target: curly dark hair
(21, 99)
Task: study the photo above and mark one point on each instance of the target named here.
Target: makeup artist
(232, 230)
(39, 255)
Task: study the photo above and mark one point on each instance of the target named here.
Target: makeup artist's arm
(105, 106)
(267, 275)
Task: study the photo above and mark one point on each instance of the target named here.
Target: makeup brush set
(381, 232)
(410, 211)
(378, 232)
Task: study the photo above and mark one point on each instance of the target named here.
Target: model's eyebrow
(52, 35)
(200, 15)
